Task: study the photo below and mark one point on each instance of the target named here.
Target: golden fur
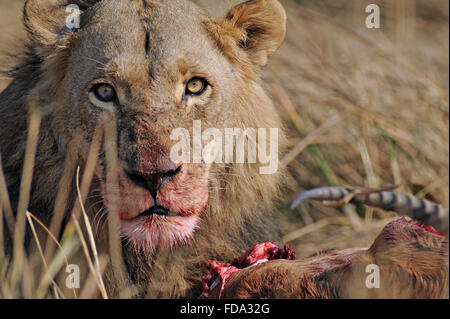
(133, 43)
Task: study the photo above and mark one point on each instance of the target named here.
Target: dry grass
(372, 106)
(363, 107)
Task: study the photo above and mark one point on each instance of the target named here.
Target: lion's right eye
(196, 86)
(104, 92)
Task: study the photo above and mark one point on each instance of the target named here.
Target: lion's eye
(196, 86)
(104, 92)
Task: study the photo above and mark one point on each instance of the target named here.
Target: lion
(153, 66)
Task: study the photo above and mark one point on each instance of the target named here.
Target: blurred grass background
(372, 106)
(363, 107)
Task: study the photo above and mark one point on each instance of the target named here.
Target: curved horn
(421, 209)
(322, 193)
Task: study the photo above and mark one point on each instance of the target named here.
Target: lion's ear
(48, 22)
(263, 26)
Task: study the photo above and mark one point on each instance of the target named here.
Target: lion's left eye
(196, 86)
(104, 92)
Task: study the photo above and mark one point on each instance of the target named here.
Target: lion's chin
(147, 233)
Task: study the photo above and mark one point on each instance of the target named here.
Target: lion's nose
(152, 181)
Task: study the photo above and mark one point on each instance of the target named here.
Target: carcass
(408, 259)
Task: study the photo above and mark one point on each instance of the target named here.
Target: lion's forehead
(138, 44)
(124, 23)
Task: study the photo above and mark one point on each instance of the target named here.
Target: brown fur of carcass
(412, 260)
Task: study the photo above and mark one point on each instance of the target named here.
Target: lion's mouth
(155, 228)
(162, 217)
(155, 210)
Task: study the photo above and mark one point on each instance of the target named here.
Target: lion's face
(156, 66)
